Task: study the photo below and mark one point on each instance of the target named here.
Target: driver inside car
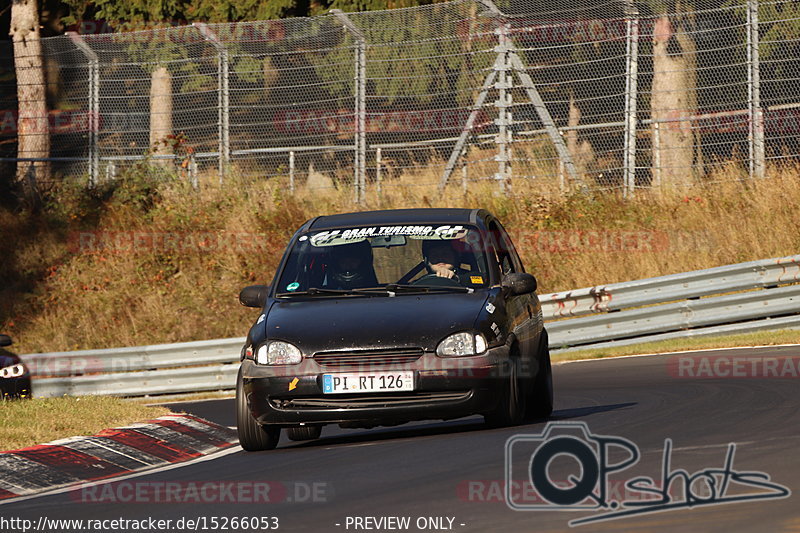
(441, 258)
(351, 266)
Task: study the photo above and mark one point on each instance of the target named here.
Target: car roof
(398, 216)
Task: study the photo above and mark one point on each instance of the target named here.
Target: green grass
(29, 422)
(758, 338)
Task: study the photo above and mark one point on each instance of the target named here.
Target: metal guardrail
(696, 284)
(676, 316)
(135, 358)
(730, 299)
(145, 383)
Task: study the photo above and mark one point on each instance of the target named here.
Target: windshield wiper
(317, 291)
(405, 287)
(389, 290)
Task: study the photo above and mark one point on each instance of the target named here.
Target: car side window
(504, 256)
(508, 244)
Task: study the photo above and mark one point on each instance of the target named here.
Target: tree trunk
(160, 111)
(674, 95)
(33, 134)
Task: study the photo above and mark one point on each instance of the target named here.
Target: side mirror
(5, 340)
(254, 296)
(519, 283)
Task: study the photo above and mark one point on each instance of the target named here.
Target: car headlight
(462, 344)
(278, 353)
(13, 371)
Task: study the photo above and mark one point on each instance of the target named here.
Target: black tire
(252, 436)
(304, 432)
(540, 398)
(510, 410)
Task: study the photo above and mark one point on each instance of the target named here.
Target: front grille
(352, 401)
(368, 358)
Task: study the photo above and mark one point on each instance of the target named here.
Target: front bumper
(445, 388)
(15, 387)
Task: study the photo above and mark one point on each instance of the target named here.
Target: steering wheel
(411, 273)
(437, 281)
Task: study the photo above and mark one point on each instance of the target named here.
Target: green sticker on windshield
(293, 286)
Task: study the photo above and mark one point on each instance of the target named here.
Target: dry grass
(56, 296)
(58, 418)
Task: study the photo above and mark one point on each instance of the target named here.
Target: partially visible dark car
(384, 317)
(15, 378)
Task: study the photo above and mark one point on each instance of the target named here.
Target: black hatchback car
(384, 317)
(15, 378)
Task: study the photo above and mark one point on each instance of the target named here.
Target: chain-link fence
(548, 96)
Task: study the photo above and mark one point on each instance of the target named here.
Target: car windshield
(397, 258)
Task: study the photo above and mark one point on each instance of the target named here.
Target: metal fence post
(291, 171)
(631, 94)
(502, 104)
(223, 97)
(466, 131)
(111, 171)
(564, 155)
(378, 164)
(360, 141)
(361, 132)
(656, 181)
(93, 124)
(193, 171)
(755, 135)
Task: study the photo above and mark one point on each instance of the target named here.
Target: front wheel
(253, 437)
(510, 409)
(540, 397)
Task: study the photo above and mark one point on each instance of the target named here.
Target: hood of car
(372, 322)
(8, 358)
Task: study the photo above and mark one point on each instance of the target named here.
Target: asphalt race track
(456, 469)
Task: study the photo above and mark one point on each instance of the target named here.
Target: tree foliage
(132, 12)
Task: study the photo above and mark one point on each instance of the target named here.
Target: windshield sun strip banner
(341, 236)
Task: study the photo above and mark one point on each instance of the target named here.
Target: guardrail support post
(93, 122)
(755, 135)
(223, 97)
(631, 78)
(360, 141)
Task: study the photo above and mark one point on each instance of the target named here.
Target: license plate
(373, 382)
